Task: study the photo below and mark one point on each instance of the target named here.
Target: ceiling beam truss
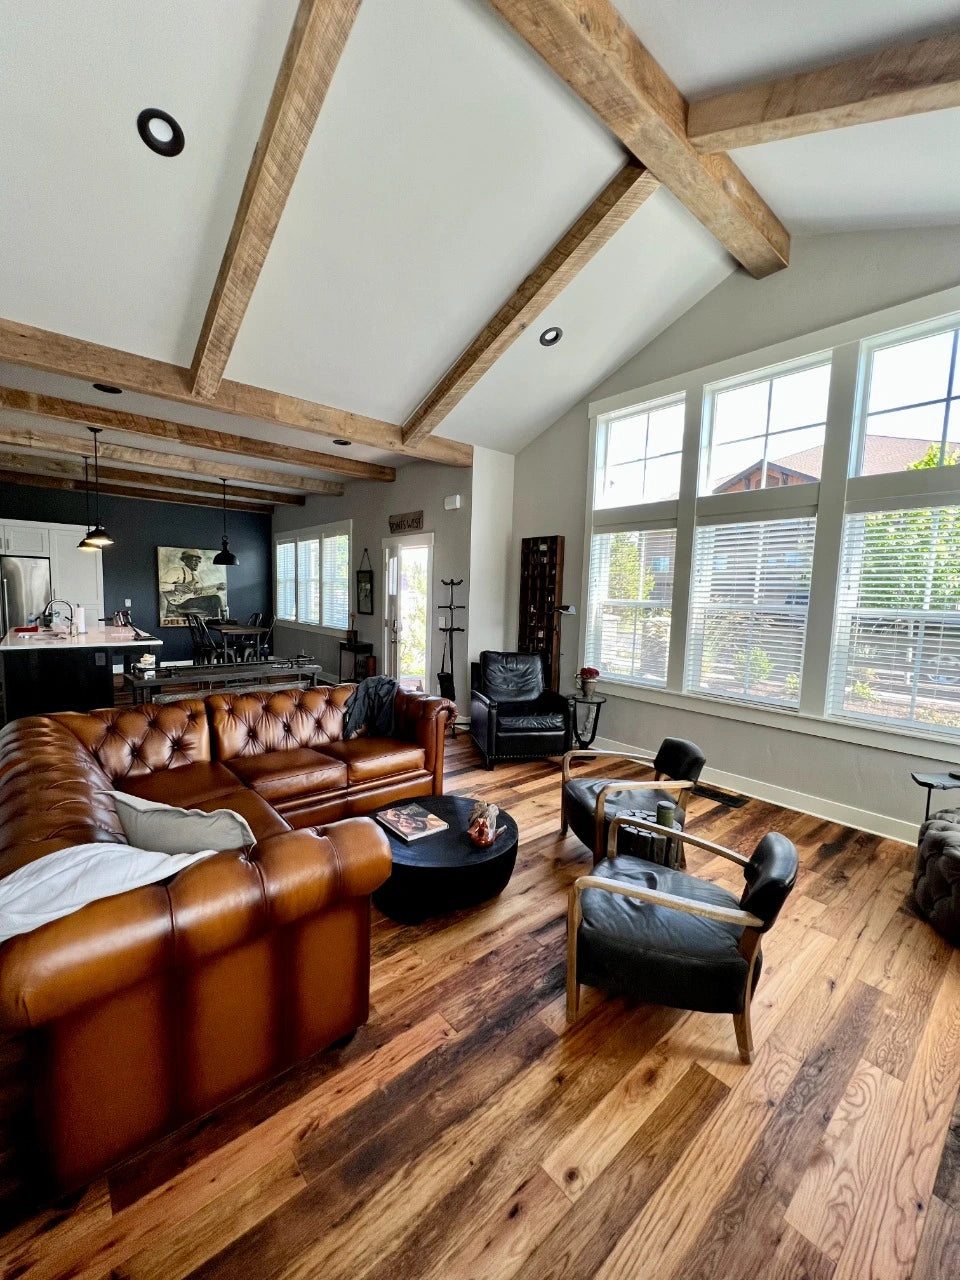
(38, 480)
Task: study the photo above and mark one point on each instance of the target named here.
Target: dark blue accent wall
(138, 528)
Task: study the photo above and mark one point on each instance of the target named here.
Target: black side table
(591, 717)
(936, 782)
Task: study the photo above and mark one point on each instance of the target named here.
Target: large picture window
(748, 610)
(896, 653)
(638, 456)
(313, 576)
(768, 432)
(629, 600)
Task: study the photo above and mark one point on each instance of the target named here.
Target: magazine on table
(411, 821)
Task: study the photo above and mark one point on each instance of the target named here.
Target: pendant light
(225, 555)
(84, 544)
(98, 536)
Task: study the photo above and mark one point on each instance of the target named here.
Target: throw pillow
(148, 824)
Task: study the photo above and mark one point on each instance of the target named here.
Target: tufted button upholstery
(127, 741)
(250, 724)
(936, 880)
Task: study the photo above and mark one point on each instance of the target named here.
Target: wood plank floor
(466, 1133)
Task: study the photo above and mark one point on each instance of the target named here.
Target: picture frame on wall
(365, 585)
(188, 581)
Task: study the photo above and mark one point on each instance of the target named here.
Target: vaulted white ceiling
(446, 162)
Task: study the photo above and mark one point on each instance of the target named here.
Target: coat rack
(445, 677)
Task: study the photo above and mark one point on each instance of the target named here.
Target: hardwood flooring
(466, 1133)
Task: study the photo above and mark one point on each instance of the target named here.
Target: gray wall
(831, 279)
(369, 504)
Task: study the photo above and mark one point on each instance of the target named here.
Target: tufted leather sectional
(149, 1008)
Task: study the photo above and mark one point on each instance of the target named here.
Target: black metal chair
(249, 646)
(512, 715)
(205, 648)
(588, 804)
(661, 936)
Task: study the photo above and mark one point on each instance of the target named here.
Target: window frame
(302, 537)
(837, 493)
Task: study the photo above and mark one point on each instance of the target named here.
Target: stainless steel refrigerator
(25, 589)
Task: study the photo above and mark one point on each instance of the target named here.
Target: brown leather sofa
(149, 1008)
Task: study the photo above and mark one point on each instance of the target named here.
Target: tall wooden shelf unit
(541, 585)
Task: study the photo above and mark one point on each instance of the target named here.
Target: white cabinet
(77, 575)
(25, 540)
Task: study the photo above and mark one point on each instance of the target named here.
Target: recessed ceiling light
(160, 131)
(550, 337)
(344, 444)
(107, 390)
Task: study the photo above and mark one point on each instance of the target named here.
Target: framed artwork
(189, 582)
(365, 584)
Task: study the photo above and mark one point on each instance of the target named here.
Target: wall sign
(407, 522)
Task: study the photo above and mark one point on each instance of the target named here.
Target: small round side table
(586, 732)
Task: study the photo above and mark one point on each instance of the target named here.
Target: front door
(407, 575)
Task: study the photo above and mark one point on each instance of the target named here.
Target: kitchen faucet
(47, 616)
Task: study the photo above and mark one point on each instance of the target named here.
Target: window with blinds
(308, 580)
(748, 610)
(286, 579)
(336, 580)
(628, 605)
(896, 650)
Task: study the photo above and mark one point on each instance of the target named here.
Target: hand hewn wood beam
(40, 481)
(74, 358)
(593, 49)
(611, 209)
(196, 437)
(905, 80)
(31, 460)
(23, 438)
(317, 39)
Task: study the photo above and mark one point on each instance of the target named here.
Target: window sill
(313, 628)
(904, 742)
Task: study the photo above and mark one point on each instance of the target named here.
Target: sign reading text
(407, 522)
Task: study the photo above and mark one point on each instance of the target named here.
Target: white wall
(831, 279)
(491, 542)
(369, 504)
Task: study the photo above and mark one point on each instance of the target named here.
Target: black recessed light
(550, 337)
(344, 444)
(107, 390)
(160, 131)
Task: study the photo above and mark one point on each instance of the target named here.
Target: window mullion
(686, 527)
(841, 411)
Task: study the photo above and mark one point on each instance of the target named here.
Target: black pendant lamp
(84, 544)
(225, 555)
(98, 536)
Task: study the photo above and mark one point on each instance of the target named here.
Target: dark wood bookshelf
(541, 585)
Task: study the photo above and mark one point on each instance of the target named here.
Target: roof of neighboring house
(882, 454)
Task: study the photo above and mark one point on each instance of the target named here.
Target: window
(336, 580)
(286, 557)
(630, 593)
(896, 653)
(748, 614)
(777, 419)
(638, 455)
(912, 410)
(313, 577)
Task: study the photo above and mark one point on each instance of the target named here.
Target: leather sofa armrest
(423, 719)
(305, 871)
(482, 699)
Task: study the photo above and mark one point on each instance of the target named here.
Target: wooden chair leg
(573, 986)
(741, 1024)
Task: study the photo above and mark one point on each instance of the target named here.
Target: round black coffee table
(445, 871)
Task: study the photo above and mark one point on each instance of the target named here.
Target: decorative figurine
(482, 824)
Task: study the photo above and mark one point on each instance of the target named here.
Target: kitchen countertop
(92, 638)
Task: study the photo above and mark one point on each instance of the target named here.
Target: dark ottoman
(936, 881)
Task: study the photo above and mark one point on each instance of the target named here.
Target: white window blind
(336, 580)
(628, 608)
(896, 652)
(308, 580)
(748, 610)
(286, 563)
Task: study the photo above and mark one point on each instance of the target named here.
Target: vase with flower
(587, 681)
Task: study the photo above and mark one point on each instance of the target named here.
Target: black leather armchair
(662, 936)
(512, 715)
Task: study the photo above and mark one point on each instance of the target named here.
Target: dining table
(234, 634)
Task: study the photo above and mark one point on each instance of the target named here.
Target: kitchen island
(44, 671)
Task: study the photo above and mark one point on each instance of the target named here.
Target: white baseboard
(877, 824)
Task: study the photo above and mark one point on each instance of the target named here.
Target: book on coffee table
(411, 821)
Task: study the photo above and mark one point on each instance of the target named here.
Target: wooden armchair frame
(749, 945)
(656, 783)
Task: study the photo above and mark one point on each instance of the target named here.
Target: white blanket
(63, 882)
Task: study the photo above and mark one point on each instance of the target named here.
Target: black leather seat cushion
(656, 954)
(580, 804)
(523, 717)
